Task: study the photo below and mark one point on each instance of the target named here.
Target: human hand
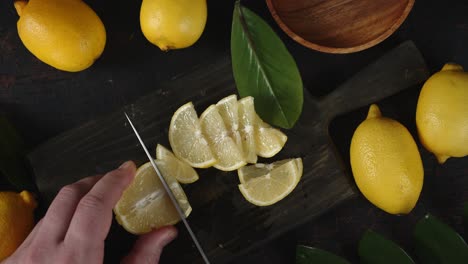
(78, 221)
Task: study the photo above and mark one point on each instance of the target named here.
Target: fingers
(58, 216)
(93, 215)
(148, 247)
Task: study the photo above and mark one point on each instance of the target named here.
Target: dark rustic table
(42, 102)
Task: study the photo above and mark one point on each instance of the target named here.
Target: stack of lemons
(228, 135)
(385, 159)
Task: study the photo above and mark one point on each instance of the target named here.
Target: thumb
(148, 247)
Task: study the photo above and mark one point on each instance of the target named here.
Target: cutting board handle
(397, 70)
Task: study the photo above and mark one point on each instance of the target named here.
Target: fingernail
(126, 165)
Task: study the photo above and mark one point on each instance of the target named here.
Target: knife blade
(169, 192)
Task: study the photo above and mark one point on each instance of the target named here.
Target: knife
(169, 193)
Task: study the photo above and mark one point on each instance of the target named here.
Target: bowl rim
(352, 49)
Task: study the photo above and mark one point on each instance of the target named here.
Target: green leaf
(437, 243)
(263, 68)
(12, 154)
(374, 248)
(309, 255)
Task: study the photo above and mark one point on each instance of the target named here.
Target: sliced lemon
(247, 117)
(179, 168)
(145, 205)
(229, 110)
(227, 153)
(187, 140)
(269, 141)
(272, 187)
(248, 173)
(300, 166)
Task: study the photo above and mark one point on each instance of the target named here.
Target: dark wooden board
(225, 223)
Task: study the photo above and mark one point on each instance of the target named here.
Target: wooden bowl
(339, 26)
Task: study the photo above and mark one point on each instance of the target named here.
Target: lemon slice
(179, 168)
(247, 128)
(269, 141)
(248, 173)
(227, 153)
(145, 206)
(300, 166)
(229, 110)
(187, 140)
(272, 187)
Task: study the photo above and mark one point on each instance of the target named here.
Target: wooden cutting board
(226, 225)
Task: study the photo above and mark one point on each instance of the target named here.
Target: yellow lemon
(66, 34)
(173, 24)
(386, 163)
(442, 113)
(16, 220)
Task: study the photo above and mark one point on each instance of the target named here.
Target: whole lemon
(16, 220)
(386, 163)
(173, 24)
(66, 34)
(442, 113)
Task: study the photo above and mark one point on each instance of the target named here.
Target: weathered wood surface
(225, 223)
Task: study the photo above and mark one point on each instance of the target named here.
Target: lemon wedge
(179, 168)
(268, 140)
(145, 206)
(228, 108)
(247, 128)
(248, 173)
(272, 187)
(227, 153)
(187, 140)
